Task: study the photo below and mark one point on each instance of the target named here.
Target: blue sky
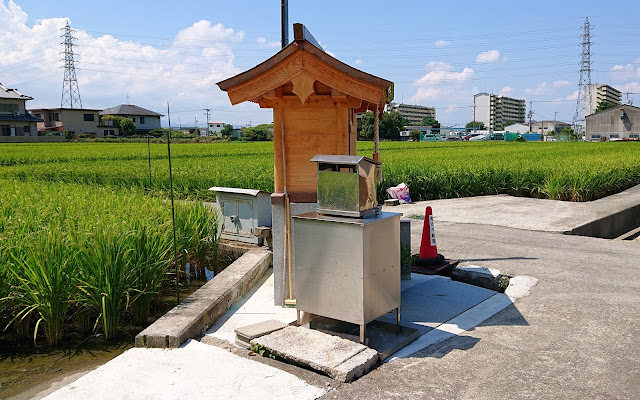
(437, 53)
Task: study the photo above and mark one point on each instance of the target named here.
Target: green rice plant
(149, 263)
(105, 276)
(197, 228)
(44, 281)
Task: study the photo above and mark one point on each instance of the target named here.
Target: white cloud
(540, 89)
(572, 97)
(490, 56)
(443, 73)
(441, 43)
(624, 72)
(184, 72)
(506, 91)
(441, 81)
(263, 41)
(452, 108)
(358, 62)
(560, 83)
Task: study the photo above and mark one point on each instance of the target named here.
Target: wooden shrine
(314, 98)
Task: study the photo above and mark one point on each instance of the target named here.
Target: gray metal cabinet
(242, 211)
(347, 268)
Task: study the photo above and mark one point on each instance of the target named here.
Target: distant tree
(507, 123)
(226, 131)
(415, 135)
(605, 105)
(479, 125)
(570, 133)
(261, 132)
(390, 125)
(127, 127)
(367, 125)
(432, 122)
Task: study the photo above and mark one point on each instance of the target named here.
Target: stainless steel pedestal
(347, 268)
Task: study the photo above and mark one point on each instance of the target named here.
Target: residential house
(15, 120)
(75, 120)
(145, 120)
(215, 128)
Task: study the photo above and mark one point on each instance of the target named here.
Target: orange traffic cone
(428, 261)
(428, 248)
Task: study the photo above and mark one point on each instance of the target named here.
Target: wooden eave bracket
(303, 86)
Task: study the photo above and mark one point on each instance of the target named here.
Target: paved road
(576, 336)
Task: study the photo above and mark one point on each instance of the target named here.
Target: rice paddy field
(573, 171)
(86, 245)
(85, 228)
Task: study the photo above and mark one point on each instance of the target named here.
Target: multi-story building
(15, 120)
(600, 92)
(497, 111)
(75, 120)
(415, 114)
(144, 119)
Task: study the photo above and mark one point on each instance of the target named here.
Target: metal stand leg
(363, 331)
(398, 319)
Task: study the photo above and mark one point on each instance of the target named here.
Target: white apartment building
(415, 114)
(600, 92)
(495, 111)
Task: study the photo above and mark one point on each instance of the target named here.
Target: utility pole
(584, 85)
(284, 22)
(530, 114)
(629, 102)
(474, 111)
(127, 94)
(70, 91)
(207, 114)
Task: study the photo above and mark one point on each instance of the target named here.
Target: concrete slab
(328, 354)
(435, 301)
(200, 310)
(522, 212)
(245, 334)
(256, 306)
(195, 371)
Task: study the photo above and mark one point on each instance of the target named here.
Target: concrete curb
(199, 311)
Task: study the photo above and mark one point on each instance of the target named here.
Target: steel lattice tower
(584, 85)
(70, 91)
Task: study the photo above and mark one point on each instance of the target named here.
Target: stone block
(245, 334)
(199, 311)
(339, 358)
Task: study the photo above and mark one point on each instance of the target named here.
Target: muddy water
(26, 369)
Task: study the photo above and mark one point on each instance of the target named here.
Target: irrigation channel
(24, 366)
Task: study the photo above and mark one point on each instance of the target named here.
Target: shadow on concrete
(509, 316)
(439, 350)
(497, 259)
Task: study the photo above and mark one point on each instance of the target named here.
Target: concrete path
(195, 371)
(575, 335)
(522, 212)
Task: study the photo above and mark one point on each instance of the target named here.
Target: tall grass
(89, 253)
(44, 274)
